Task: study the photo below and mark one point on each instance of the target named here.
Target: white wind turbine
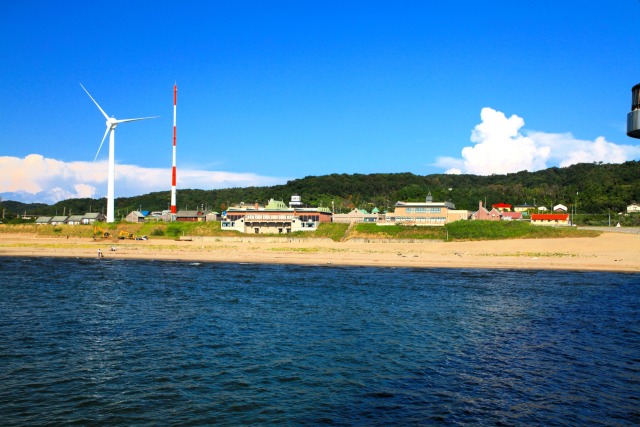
(111, 127)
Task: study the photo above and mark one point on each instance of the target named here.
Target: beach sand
(608, 252)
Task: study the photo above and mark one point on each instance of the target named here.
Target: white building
(274, 218)
(633, 208)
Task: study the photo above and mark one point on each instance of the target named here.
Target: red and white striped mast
(173, 172)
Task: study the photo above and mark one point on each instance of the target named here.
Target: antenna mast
(173, 171)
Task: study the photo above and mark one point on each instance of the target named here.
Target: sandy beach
(608, 252)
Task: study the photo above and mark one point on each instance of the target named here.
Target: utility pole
(575, 208)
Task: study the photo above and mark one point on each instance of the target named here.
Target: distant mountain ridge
(595, 187)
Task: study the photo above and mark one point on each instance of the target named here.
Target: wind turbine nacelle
(633, 118)
(112, 122)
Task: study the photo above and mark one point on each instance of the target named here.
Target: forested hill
(599, 188)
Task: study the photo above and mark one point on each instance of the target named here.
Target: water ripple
(147, 343)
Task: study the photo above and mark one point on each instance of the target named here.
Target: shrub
(157, 232)
(174, 230)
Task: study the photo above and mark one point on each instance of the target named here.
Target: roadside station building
(274, 218)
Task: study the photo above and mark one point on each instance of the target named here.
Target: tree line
(594, 188)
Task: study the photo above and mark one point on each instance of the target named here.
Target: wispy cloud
(501, 147)
(39, 179)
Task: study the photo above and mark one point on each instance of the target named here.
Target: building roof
(92, 215)
(276, 205)
(138, 214)
(549, 217)
(59, 218)
(318, 209)
(43, 220)
(75, 218)
(512, 215)
(426, 204)
(189, 214)
(501, 205)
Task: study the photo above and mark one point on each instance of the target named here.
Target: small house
(511, 216)
(74, 220)
(212, 216)
(43, 220)
(190, 216)
(482, 214)
(525, 207)
(135, 217)
(633, 208)
(59, 220)
(560, 208)
(90, 218)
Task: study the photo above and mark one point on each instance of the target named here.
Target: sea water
(106, 342)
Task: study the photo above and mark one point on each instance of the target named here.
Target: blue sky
(271, 91)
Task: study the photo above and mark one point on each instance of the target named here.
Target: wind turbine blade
(103, 138)
(94, 101)
(135, 120)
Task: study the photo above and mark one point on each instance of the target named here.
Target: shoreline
(612, 252)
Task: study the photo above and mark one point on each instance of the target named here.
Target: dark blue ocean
(103, 342)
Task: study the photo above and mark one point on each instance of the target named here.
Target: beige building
(358, 216)
(425, 213)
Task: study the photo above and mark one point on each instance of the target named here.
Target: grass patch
(314, 249)
(373, 231)
(497, 230)
(328, 230)
(533, 254)
(469, 230)
(295, 249)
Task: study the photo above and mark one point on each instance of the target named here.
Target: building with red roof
(550, 219)
(511, 216)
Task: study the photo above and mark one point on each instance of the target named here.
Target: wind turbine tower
(112, 123)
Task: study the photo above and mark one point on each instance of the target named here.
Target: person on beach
(99, 253)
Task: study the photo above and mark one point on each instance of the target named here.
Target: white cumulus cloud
(36, 178)
(502, 147)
